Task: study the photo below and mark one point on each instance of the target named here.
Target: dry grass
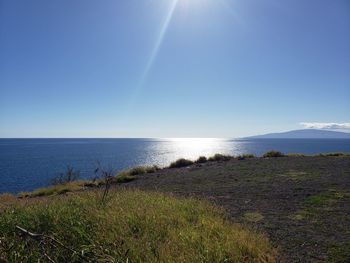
(57, 189)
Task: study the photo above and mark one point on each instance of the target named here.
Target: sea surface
(27, 164)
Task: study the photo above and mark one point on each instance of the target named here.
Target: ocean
(27, 164)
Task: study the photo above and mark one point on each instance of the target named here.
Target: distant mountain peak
(304, 134)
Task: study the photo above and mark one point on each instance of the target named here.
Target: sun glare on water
(195, 142)
(192, 148)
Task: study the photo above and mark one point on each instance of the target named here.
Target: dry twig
(42, 237)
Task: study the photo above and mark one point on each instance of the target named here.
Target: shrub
(143, 170)
(68, 176)
(152, 169)
(133, 226)
(106, 176)
(180, 163)
(124, 179)
(245, 156)
(273, 154)
(201, 159)
(130, 175)
(220, 157)
(137, 170)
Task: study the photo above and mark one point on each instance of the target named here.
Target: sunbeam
(151, 59)
(158, 42)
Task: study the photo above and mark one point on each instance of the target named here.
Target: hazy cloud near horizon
(324, 125)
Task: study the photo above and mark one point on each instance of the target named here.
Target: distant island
(304, 134)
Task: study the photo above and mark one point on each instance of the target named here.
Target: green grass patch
(133, 226)
(326, 199)
(315, 205)
(320, 200)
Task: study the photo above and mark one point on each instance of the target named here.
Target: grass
(130, 175)
(56, 189)
(245, 156)
(181, 163)
(339, 254)
(143, 170)
(219, 157)
(7, 200)
(314, 186)
(319, 200)
(73, 186)
(316, 205)
(326, 199)
(133, 226)
(273, 154)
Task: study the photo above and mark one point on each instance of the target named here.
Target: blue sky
(167, 68)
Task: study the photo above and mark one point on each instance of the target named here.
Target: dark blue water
(26, 164)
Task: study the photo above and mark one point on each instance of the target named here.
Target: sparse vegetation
(335, 154)
(201, 159)
(273, 154)
(219, 157)
(325, 200)
(181, 163)
(68, 176)
(143, 170)
(55, 189)
(106, 178)
(133, 226)
(130, 175)
(245, 156)
(124, 178)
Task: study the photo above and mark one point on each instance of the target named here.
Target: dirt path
(301, 203)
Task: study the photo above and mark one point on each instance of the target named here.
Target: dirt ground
(301, 203)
